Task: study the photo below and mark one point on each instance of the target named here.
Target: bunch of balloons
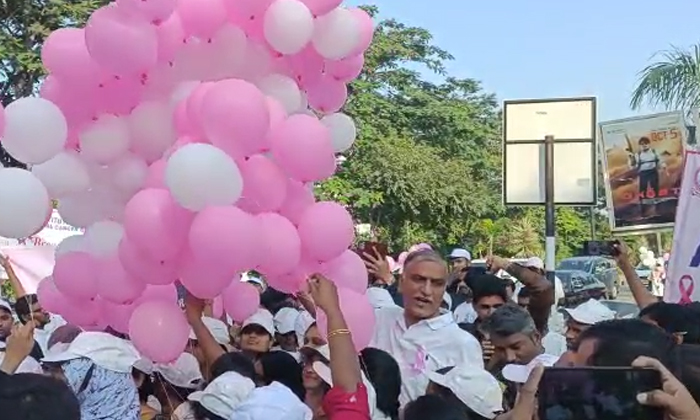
(185, 137)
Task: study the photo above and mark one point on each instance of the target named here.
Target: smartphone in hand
(600, 248)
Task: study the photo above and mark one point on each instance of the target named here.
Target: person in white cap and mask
(582, 317)
(285, 335)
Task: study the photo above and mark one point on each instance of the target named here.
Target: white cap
(380, 298)
(534, 262)
(104, 350)
(182, 373)
(461, 253)
(275, 401)
(590, 312)
(285, 319)
(475, 387)
(302, 324)
(520, 373)
(250, 278)
(6, 305)
(224, 394)
(143, 365)
(261, 317)
(323, 351)
(217, 328)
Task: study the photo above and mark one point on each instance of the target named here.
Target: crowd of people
(447, 345)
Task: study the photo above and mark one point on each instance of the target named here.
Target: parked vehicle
(622, 309)
(644, 274)
(579, 286)
(602, 268)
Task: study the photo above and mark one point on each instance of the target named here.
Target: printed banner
(684, 264)
(643, 165)
(33, 258)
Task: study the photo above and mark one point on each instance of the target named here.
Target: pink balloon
(115, 284)
(302, 147)
(117, 316)
(84, 313)
(264, 185)
(183, 125)
(306, 66)
(159, 331)
(281, 247)
(50, 297)
(298, 199)
(240, 300)
(358, 314)
(194, 108)
(204, 281)
(235, 117)
(289, 282)
(366, 25)
(179, 143)
(348, 271)
(155, 223)
(347, 69)
(156, 175)
(65, 56)
(118, 95)
(321, 7)
(248, 9)
(277, 116)
(171, 37)
(226, 237)
(120, 42)
(327, 95)
(326, 230)
(418, 247)
(75, 275)
(154, 11)
(217, 307)
(165, 293)
(148, 271)
(201, 18)
(77, 113)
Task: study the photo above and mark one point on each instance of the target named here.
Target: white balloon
(63, 174)
(100, 202)
(643, 250)
(650, 254)
(25, 206)
(336, 34)
(200, 175)
(129, 173)
(152, 130)
(288, 26)
(105, 139)
(343, 131)
(282, 88)
(35, 130)
(70, 244)
(102, 238)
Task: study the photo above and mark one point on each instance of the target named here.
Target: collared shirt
(428, 345)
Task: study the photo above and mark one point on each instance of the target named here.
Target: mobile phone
(604, 248)
(597, 393)
(370, 246)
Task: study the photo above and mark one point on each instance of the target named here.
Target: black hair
(450, 398)
(201, 413)
(146, 389)
(233, 362)
(433, 407)
(282, 367)
(675, 318)
(28, 396)
(509, 283)
(384, 373)
(273, 300)
(644, 140)
(23, 307)
(488, 285)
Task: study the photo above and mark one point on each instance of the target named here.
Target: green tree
(25, 26)
(673, 82)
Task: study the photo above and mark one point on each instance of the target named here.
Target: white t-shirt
(41, 336)
(465, 312)
(428, 345)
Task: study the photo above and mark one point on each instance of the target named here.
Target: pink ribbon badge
(686, 285)
(419, 365)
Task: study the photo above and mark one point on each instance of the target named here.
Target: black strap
(86, 381)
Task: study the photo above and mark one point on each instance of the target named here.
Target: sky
(553, 48)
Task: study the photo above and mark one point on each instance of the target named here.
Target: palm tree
(672, 83)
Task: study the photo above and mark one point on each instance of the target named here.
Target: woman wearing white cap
(221, 397)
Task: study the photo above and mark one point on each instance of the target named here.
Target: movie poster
(643, 167)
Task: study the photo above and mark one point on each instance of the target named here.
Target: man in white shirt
(28, 309)
(421, 336)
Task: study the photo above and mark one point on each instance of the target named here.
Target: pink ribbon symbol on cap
(686, 285)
